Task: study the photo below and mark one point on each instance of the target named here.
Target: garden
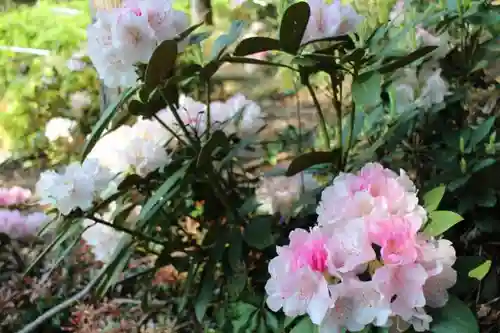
(317, 166)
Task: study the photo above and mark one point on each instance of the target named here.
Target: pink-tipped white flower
(369, 250)
(125, 36)
(297, 284)
(329, 20)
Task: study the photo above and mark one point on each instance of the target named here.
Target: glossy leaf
(258, 232)
(218, 139)
(433, 198)
(440, 221)
(304, 326)
(257, 44)
(482, 131)
(161, 64)
(455, 316)
(105, 119)
(293, 25)
(406, 60)
(366, 89)
(162, 194)
(307, 160)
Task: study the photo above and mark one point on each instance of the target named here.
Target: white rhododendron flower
(103, 239)
(122, 37)
(278, 194)
(59, 128)
(329, 20)
(366, 262)
(235, 115)
(139, 148)
(434, 89)
(396, 15)
(76, 187)
(424, 90)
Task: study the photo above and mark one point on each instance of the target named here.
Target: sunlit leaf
(440, 221)
(480, 271)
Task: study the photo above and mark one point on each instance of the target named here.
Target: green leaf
(483, 164)
(208, 280)
(406, 60)
(218, 139)
(162, 194)
(433, 198)
(441, 221)
(481, 131)
(455, 316)
(162, 63)
(188, 32)
(258, 232)
(307, 160)
(305, 326)
(366, 89)
(254, 45)
(480, 271)
(105, 119)
(224, 40)
(293, 25)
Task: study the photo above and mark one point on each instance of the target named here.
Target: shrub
(344, 242)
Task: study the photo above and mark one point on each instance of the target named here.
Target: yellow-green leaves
(440, 221)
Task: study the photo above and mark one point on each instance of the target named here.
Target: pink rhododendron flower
(369, 253)
(397, 238)
(13, 196)
(297, 283)
(16, 225)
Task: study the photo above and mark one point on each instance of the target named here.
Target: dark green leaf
(366, 89)
(406, 60)
(440, 221)
(483, 164)
(258, 232)
(162, 194)
(293, 25)
(307, 160)
(235, 252)
(188, 32)
(208, 280)
(218, 139)
(433, 198)
(254, 45)
(305, 326)
(455, 316)
(482, 131)
(105, 119)
(162, 63)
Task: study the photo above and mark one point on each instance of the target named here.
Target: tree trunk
(201, 11)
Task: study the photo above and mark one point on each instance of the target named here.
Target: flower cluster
(13, 222)
(76, 187)
(424, 90)
(141, 147)
(125, 36)
(366, 262)
(14, 196)
(60, 128)
(329, 20)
